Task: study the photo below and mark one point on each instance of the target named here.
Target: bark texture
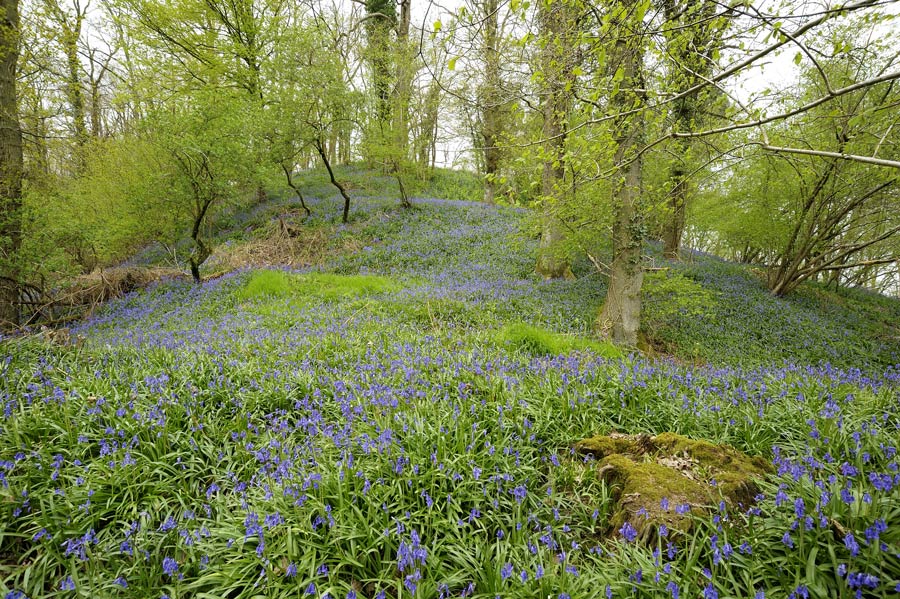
(693, 34)
(490, 98)
(10, 166)
(553, 22)
(620, 317)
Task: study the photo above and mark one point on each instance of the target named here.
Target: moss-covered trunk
(552, 262)
(620, 317)
(10, 165)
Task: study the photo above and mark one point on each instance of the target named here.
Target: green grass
(279, 284)
(542, 342)
(429, 382)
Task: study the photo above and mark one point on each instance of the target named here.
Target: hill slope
(400, 422)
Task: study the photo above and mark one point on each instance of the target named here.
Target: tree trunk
(693, 36)
(71, 33)
(552, 263)
(201, 250)
(490, 99)
(620, 317)
(402, 95)
(10, 165)
(335, 182)
(286, 169)
(381, 18)
(674, 226)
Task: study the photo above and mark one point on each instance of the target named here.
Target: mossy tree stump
(663, 479)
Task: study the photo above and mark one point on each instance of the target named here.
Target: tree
(70, 24)
(811, 215)
(490, 100)
(693, 38)
(311, 103)
(204, 136)
(555, 24)
(10, 165)
(619, 319)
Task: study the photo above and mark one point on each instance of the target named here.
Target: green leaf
(437, 26)
(798, 57)
(452, 64)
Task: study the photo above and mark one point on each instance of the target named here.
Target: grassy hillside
(398, 421)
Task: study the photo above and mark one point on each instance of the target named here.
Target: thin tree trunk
(201, 250)
(620, 317)
(551, 263)
(10, 165)
(71, 34)
(490, 100)
(404, 197)
(340, 188)
(288, 175)
(693, 36)
(674, 226)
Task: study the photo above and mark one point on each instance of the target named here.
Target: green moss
(602, 446)
(732, 470)
(274, 283)
(639, 489)
(654, 482)
(541, 342)
(267, 283)
(642, 470)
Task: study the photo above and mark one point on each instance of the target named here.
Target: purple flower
(170, 566)
(519, 493)
(859, 580)
(506, 571)
(628, 532)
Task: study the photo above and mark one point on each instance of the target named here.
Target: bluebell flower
(787, 540)
(628, 532)
(169, 566)
(673, 589)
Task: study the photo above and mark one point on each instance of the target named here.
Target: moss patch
(663, 479)
(275, 283)
(541, 342)
(266, 283)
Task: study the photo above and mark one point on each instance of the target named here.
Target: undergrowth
(401, 423)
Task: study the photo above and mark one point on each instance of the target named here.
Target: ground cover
(402, 421)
